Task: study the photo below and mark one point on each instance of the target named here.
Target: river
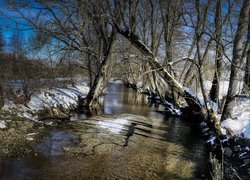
(127, 140)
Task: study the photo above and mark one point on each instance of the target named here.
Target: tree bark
(237, 60)
(90, 71)
(246, 88)
(215, 89)
(247, 74)
(1, 97)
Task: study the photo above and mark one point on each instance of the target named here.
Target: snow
(114, 126)
(223, 87)
(239, 124)
(187, 90)
(30, 139)
(64, 97)
(214, 105)
(211, 140)
(172, 108)
(56, 97)
(115, 81)
(240, 121)
(2, 124)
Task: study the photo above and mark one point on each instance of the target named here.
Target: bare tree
(64, 26)
(237, 59)
(215, 89)
(16, 46)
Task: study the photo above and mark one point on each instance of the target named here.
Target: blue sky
(10, 25)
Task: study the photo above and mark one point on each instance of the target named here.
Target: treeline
(22, 76)
(12, 67)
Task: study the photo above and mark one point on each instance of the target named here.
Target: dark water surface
(131, 141)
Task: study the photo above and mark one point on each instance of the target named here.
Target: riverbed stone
(11, 130)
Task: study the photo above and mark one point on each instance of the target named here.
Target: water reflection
(125, 100)
(53, 145)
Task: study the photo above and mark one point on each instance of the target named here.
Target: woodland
(191, 57)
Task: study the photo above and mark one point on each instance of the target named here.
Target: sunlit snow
(240, 124)
(114, 126)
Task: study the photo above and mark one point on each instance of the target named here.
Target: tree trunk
(237, 60)
(185, 73)
(90, 71)
(246, 88)
(215, 89)
(201, 21)
(247, 74)
(1, 97)
(100, 81)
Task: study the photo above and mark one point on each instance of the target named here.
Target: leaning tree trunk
(194, 103)
(237, 60)
(215, 89)
(163, 73)
(100, 81)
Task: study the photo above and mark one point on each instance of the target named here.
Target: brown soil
(17, 138)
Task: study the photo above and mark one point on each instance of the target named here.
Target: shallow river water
(126, 140)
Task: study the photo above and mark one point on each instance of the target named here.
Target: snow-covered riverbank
(239, 124)
(47, 98)
(68, 98)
